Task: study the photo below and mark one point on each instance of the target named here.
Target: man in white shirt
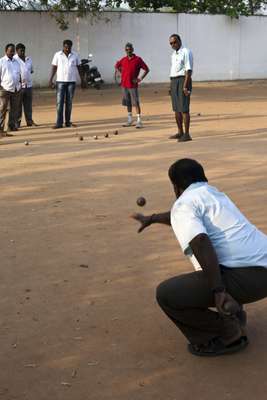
(181, 87)
(26, 84)
(66, 64)
(230, 258)
(10, 87)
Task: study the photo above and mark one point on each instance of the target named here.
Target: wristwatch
(151, 219)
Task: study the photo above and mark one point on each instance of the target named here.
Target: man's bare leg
(138, 109)
(186, 120)
(179, 122)
(186, 136)
(138, 114)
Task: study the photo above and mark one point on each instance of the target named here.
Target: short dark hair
(20, 46)
(128, 44)
(186, 171)
(68, 42)
(9, 45)
(177, 37)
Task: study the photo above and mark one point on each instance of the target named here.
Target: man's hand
(186, 92)
(137, 80)
(145, 221)
(51, 84)
(226, 304)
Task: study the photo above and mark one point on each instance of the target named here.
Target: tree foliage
(232, 8)
(57, 8)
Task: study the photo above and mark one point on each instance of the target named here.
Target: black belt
(176, 77)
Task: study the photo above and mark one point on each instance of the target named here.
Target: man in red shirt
(129, 68)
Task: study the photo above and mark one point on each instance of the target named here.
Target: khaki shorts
(130, 97)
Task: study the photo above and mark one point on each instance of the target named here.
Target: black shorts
(180, 102)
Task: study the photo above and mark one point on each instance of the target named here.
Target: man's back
(203, 209)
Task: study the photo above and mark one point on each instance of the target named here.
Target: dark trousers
(65, 93)
(9, 100)
(186, 300)
(26, 105)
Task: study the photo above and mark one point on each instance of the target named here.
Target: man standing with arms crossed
(26, 83)
(129, 67)
(10, 86)
(181, 87)
(65, 63)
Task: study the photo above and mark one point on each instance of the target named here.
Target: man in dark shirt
(129, 68)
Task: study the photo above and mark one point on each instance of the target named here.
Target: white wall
(223, 48)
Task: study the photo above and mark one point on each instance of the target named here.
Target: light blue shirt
(203, 209)
(181, 61)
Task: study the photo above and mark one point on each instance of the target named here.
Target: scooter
(91, 75)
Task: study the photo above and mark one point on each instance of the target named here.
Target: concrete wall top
(223, 48)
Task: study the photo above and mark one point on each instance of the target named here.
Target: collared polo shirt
(10, 76)
(129, 69)
(203, 209)
(181, 61)
(26, 70)
(66, 66)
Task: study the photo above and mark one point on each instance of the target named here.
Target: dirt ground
(79, 319)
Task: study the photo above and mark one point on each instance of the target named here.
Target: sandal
(176, 136)
(215, 347)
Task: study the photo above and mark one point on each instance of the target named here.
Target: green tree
(232, 8)
(57, 8)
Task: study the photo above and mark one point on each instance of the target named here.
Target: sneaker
(128, 123)
(185, 138)
(139, 125)
(176, 136)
